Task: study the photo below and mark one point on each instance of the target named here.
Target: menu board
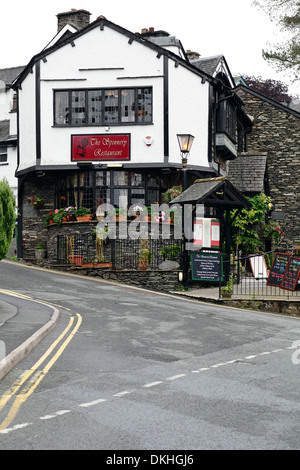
(278, 269)
(207, 266)
(291, 274)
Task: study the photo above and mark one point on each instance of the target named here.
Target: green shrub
(7, 217)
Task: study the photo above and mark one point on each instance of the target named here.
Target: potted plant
(171, 193)
(69, 214)
(96, 263)
(37, 201)
(40, 252)
(121, 214)
(48, 218)
(83, 214)
(58, 216)
(137, 210)
(227, 290)
(170, 252)
(144, 259)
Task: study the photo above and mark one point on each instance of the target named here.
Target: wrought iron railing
(251, 279)
(80, 249)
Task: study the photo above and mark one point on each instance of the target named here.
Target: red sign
(100, 147)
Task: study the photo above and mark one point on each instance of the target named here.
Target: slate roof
(217, 191)
(247, 172)
(10, 74)
(207, 64)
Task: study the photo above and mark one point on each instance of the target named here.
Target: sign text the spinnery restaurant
(100, 147)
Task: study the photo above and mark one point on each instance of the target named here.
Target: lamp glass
(185, 142)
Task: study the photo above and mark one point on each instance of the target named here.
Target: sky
(233, 28)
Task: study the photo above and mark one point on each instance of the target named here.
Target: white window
(3, 154)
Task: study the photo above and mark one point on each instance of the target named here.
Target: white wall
(188, 99)
(7, 169)
(189, 102)
(27, 134)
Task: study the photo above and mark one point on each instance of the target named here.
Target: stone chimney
(191, 55)
(77, 18)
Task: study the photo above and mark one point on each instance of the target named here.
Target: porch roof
(213, 192)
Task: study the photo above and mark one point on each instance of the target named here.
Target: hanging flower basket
(37, 201)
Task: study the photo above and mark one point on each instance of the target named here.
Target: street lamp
(185, 142)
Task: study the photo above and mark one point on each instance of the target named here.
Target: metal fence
(82, 249)
(250, 275)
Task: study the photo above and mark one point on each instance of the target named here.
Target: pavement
(22, 328)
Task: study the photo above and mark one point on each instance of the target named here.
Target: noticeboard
(291, 275)
(258, 266)
(207, 266)
(278, 268)
(206, 233)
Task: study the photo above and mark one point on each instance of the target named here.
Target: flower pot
(40, 254)
(106, 264)
(84, 218)
(76, 259)
(226, 294)
(51, 221)
(143, 265)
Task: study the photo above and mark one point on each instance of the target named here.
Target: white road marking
(92, 403)
(122, 394)
(152, 384)
(17, 426)
(148, 385)
(175, 377)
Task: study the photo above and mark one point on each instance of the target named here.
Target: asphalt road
(130, 369)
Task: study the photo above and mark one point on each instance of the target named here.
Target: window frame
(104, 121)
(73, 187)
(227, 118)
(4, 154)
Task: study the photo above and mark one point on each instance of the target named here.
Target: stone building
(272, 160)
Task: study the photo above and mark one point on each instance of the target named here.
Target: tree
(7, 217)
(286, 55)
(249, 229)
(273, 89)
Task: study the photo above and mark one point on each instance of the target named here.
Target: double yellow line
(38, 375)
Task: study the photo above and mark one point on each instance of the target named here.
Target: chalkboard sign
(291, 274)
(278, 269)
(207, 266)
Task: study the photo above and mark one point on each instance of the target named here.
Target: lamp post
(185, 142)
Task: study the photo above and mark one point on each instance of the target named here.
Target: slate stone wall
(277, 132)
(34, 231)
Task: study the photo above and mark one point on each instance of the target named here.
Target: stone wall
(158, 280)
(34, 231)
(277, 132)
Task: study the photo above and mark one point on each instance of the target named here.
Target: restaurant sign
(100, 147)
